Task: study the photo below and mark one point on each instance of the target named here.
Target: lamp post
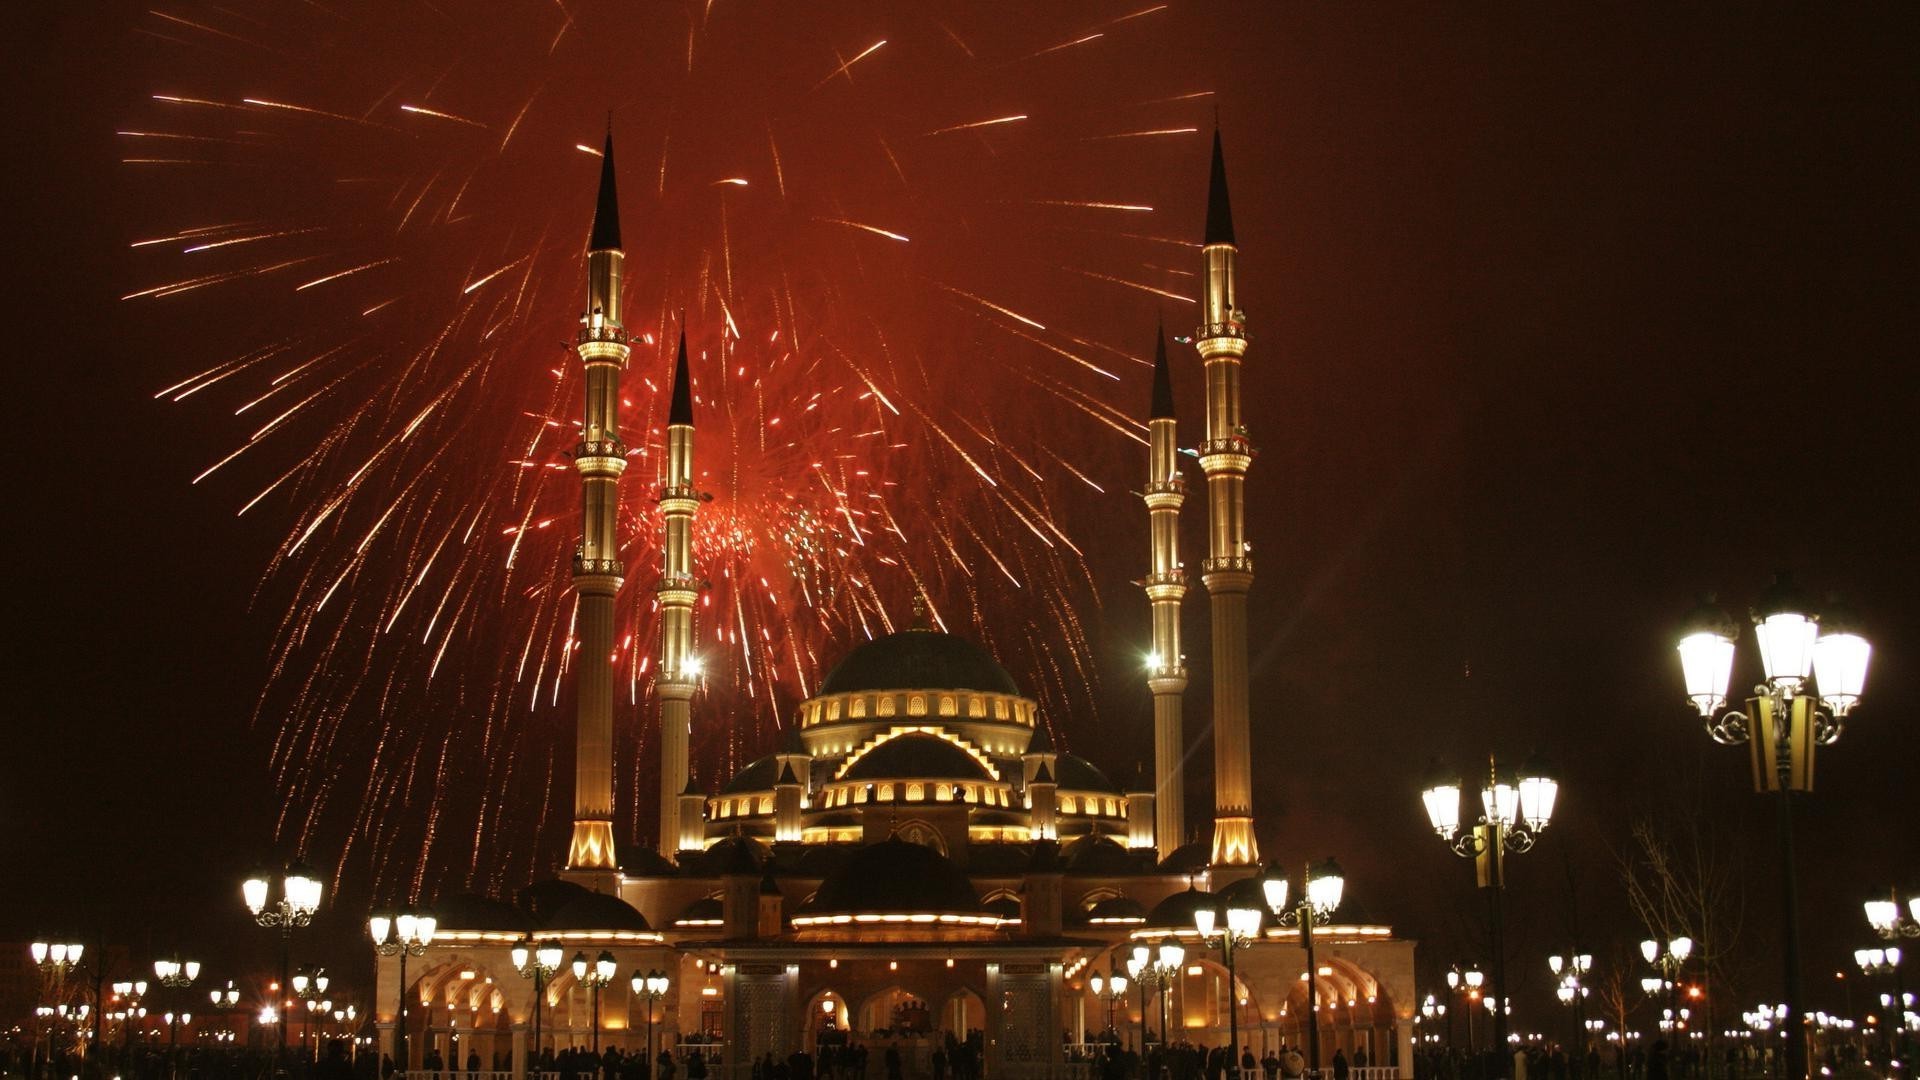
(1465, 981)
(309, 986)
(1158, 968)
(1109, 988)
(1242, 927)
(1513, 814)
(1572, 970)
(56, 960)
(537, 962)
(1785, 720)
(299, 898)
(402, 934)
(129, 993)
(1886, 961)
(594, 975)
(1669, 960)
(650, 988)
(1320, 895)
(175, 974)
(1431, 1009)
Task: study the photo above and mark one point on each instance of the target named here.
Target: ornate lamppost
(1886, 961)
(1242, 927)
(1572, 970)
(1669, 960)
(129, 994)
(1158, 968)
(405, 934)
(650, 988)
(593, 976)
(1319, 896)
(1431, 1009)
(1109, 988)
(299, 898)
(310, 987)
(1466, 981)
(1812, 679)
(57, 961)
(175, 974)
(1513, 815)
(537, 962)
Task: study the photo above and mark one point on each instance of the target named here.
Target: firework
(882, 235)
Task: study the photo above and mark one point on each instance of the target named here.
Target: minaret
(1166, 585)
(601, 457)
(1227, 572)
(679, 667)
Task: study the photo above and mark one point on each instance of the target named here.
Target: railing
(458, 1074)
(1368, 1072)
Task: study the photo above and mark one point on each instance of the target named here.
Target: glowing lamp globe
(579, 965)
(1882, 914)
(1538, 790)
(1706, 657)
(549, 955)
(1274, 890)
(1501, 800)
(519, 955)
(254, 892)
(1442, 799)
(1840, 668)
(1475, 977)
(1203, 919)
(1555, 963)
(1681, 948)
(1786, 633)
(604, 967)
(1243, 922)
(1650, 949)
(1172, 955)
(1325, 887)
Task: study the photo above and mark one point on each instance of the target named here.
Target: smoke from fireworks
(881, 232)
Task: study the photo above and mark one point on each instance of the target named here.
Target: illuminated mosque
(917, 860)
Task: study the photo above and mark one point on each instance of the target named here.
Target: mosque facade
(917, 860)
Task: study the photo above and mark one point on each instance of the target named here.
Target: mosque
(917, 859)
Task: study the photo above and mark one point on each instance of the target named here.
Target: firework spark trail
(866, 417)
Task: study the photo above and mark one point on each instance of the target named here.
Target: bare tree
(1684, 879)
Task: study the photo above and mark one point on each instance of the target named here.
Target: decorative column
(1166, 586)
(678, 589)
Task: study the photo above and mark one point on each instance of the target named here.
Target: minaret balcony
(1233, 329)
(678, 499)
(1175, 486)
(600, 457)
(1227, 571)
(604, 331)
(681, 589)
(1171, 586)
(585, 567)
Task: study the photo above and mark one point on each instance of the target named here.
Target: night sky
(1560, 317)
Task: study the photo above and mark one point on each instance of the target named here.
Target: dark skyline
(1559, 319)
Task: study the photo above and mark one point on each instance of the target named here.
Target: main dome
(895, 877)
(919, 660)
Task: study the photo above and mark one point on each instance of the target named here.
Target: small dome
(703, 912)
(471, 911)
(757, 776)
(1117, 910)
(1094, 854)
(1005, 907)
(919, 660)
(918, 756)
(1187, 858)
(597, 911)
(1075, 773)
(895, 877)
(1176, 911)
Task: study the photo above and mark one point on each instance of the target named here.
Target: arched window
(917, 705)
(916, 792)
(886, 792)
(999, 708)
(976, 707)
(947, 707)
(886, 705)
(857, 707)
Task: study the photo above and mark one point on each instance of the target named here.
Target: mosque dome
(1072, 772)
(759, 775)
(919, 659)
(917, 756)
(471, 911)
(1176, 911)
(597, 911)
(895, 877)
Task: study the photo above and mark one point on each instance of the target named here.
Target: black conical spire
(606, 214)
(1162, 379)
(1219, 207)
(681, 411)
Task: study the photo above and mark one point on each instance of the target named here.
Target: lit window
(917, 705)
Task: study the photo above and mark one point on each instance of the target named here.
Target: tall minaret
(679, 667)
(601, 457)
(1166, 585)
(1227, 572)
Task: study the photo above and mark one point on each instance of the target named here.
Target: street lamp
(309, 985)
(1323, 889)
(1669, 959)
(299, 898)
(594, 975)
(1110, 988)
(1242, 927)
(1466, 981)
(1572, 970)
(1814, 671)
(537, 962)
(1886, 961)
(651, 987)
(1515, 810)
(1430, 1009)
(402, 934)
(1158, 968)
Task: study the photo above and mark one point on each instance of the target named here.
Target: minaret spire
(600, 457)
(678, 589)
(1166, 585)
(1225, 455)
